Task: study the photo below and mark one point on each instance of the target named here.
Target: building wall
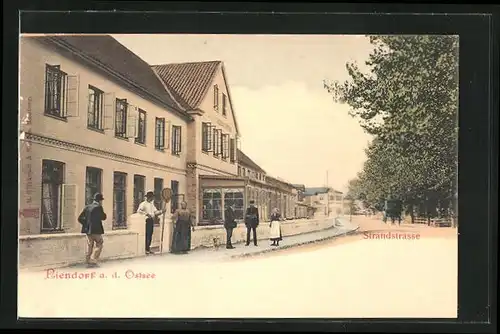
(33, 58)
(216, 118)
(205, 163)
(76, 162)
(71, 142)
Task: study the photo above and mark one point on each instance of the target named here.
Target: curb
(293, 245)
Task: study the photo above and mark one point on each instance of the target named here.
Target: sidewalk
(342, 227)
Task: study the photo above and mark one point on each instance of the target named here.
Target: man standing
(229, 224)
(251, 222)
(148, 209)
(91, 220)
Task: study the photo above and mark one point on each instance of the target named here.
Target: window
(239, 171)
(207, 137)
(96, 109)
(332, 198)
(217, 142)
(93, 183)
(119, 200)
(158, 187)
(339, 198)
(176, 140)
(121, 118)
(232, 144)
(141, 129)
(225, 146)
(224, 104)
(212, 204)
(160, 134)
(174, 186)
(234, 197)
(52, 181)
(56, 84)
(216, 97)
(139, 193)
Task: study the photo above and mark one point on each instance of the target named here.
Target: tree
(409, 102)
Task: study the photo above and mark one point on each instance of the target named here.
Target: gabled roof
(189, 82)
(244, 160)
(299, 186)
(107, 53)
(316, 191)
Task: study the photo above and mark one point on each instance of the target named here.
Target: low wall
(203, 236)
(67, 248)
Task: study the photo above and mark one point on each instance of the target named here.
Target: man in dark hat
(229, 224)
(251, 222)
(91, 219)
(148, 209)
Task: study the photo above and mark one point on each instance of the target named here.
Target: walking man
(148, 209)
(229, 224)
(91, 220)
(251, 222)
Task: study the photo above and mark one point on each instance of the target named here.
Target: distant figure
(275, 226)
(148, 209)
(183, 224)
(91, 220)
(251, 222)
(229, 225)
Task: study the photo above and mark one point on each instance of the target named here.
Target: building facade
(325, 200)
(94, 119)
(97, 118)
(213, 135)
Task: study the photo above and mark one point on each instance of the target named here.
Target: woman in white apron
(275, 226)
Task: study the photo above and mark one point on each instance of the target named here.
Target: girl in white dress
(275, 226)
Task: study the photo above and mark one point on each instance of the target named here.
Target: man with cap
(91, 220)
(251, 222)
(148, 209)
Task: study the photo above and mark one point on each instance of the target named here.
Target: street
(353, 277)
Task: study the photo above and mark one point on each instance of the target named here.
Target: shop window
(235, 197)
(212, 205)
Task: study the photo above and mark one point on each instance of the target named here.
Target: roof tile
(188, 81)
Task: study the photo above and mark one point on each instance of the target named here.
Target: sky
(288, 122)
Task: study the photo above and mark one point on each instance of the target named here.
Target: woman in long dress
(275, 226)
(181, 241)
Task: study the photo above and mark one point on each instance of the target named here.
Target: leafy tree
(408, 101)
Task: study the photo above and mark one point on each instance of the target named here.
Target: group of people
(252, 222)
(93, 214)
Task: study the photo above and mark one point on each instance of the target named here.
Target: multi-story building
(95, 119)
(202, 90)
(325, 200)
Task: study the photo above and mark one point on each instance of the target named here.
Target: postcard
(238, 176)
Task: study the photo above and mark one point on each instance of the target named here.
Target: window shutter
(179, 141)
(72, 93)
(231, 149)
(216, 97)
(211, 129)
(168, 131)
(68, 205)
(109, 111)
(132, 121)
